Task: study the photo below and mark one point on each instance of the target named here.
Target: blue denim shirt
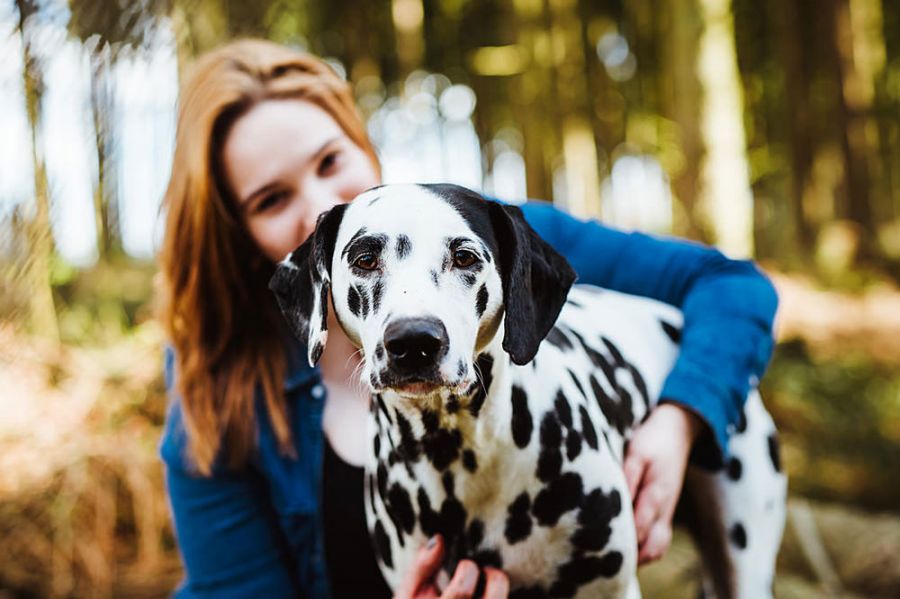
(257, 532)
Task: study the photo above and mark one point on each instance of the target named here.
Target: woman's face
(286, 162)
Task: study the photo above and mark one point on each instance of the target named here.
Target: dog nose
(415, 343)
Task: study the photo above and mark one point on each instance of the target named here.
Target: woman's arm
(225, 526)
(728, 308)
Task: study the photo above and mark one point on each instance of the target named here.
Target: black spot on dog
(377, 291)
(738, 536)
(469, 461)
(475, 534)
(618, 413)
(571, 301)
(573, 445)
(376, 445)
(381, 479)
(460, 368)
(379, 351)
(557, 338)
(430, 420)
(775, 452)
(317, 351)
(550, 458)
(481, 300)
(434, 278)
(581, 570)
(383, 545)
(452, 405)
(563, 409)
(577, 383)
(594, 519)
(483, 371)
(469, 279)
(429, 519)
(735, 468)
(364, 297)
(403, 246)
(442, 447)
(487, 558)
(522, 424)
(561, 495)
(383, 408)
(532, 592)
(409, 446)
(518, 520)
(671, 331)
(400, 507)
(617, 356)
(741, 423)
(587, 429)
(639, 384)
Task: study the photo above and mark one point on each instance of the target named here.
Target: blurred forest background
(770, 128)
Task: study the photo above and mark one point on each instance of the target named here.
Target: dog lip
(416, 387)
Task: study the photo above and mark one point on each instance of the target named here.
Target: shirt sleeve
(226, 529)
(728, 306)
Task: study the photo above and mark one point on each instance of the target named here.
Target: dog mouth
(417, 388)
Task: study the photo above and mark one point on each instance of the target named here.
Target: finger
(462, 585)
(657, 543)
(427, 561)
(496, 585)
(646, 512)
(634, 467)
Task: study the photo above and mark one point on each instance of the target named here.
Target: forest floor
(83, 512)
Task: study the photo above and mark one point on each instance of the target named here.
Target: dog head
(421, 277)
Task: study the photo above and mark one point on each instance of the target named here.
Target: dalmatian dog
(503, 399)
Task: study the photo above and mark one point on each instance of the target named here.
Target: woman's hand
(419, 581)
(655, 464)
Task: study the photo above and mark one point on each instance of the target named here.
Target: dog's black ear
(536, 280)
(302, 281)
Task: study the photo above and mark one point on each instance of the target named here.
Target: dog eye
(366, 262)
(464, 258)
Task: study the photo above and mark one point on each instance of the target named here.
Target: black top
(352, 569)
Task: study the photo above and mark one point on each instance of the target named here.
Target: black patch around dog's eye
(671, 331)
(595, 518)
(735, 468)
(550, 458)
(775, 452)
(563, 494)
(738, 536)
(522, 424)
(587, 429)
(481, 300)
(353, 301)
(518, 519)
(383, 545)
(404, 245)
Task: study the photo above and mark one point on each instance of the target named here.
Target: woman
(263, 502)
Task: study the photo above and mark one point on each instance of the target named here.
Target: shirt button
(318, 391)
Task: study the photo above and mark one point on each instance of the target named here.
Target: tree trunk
(42, 313)
(726, 196)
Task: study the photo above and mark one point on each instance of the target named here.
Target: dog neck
(446, 427)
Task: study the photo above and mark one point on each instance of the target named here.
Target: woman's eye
(328, 163)
(270, 201)
(366, 262)
(464, 258)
